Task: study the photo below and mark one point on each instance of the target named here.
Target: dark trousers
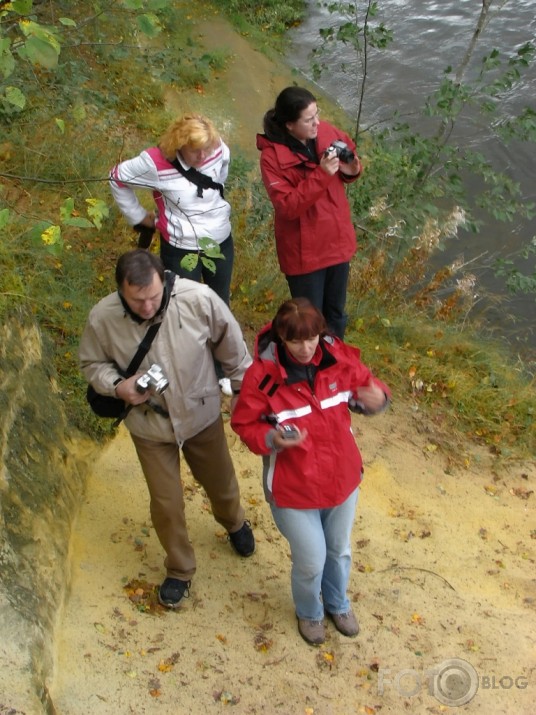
(326, 289)
(220, 282)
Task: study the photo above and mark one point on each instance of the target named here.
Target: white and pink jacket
(182, 216)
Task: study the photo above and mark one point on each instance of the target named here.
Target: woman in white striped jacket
(186, 173)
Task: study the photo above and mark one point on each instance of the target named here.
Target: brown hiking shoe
(345, 623)
(312, 631)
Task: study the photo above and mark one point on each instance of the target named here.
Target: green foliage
(208, 249)
(265, 22)
(466, 385)
(272, 16)
(258, 284)
(516, 281)
(38, 46)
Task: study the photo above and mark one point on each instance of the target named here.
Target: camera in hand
(341, 149)
(288, 431)
(153, 381)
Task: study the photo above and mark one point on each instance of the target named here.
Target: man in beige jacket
(196, 328)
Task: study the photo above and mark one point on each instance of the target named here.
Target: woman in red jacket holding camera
(293, 410)
(305, 175)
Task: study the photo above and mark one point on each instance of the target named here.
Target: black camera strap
(141, 352)
(202, 181)
(143, 347)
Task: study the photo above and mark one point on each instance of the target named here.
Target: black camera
(341, 149)
(153, 381)
(288, 431)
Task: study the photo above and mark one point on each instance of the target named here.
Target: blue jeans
(319, 542)
(326, 289)
(220, 282)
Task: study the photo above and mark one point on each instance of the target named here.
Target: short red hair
(298, 319)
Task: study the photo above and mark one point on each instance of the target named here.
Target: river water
(428, 37)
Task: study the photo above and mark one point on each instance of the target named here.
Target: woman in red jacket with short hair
(293, 410)
(305, 175)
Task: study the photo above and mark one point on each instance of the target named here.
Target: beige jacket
(197, 327)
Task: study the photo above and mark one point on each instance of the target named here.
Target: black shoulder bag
(106, 406)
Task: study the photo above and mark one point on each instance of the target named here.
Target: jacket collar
(169, 280)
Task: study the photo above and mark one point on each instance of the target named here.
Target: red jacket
(313, 224)
(324, 470)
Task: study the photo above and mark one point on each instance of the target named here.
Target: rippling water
(428, 37)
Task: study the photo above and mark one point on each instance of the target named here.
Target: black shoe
(243, 540)
(172, 591)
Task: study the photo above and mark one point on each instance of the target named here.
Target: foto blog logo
(454, 682)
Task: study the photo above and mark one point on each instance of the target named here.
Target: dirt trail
(443, 569)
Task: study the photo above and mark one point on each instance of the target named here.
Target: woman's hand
(351, 169)
(284, 440)
(371, 397)
(330, 163)
(148, 219)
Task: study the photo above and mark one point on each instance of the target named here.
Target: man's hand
(126, 390)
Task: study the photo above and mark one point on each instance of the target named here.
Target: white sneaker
(225, 386)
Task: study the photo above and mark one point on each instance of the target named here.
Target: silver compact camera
(341, 149)
(153, 381)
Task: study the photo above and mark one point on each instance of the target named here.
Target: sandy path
(443, 569)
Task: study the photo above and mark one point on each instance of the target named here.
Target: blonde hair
(193, 130)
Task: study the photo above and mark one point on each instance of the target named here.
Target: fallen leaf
(224, 696)
(165, 666)
(521, 493)
(262, 643)
(325, 659)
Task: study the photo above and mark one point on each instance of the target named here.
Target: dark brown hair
(137, 268)
(298, 319)
(289, 105)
